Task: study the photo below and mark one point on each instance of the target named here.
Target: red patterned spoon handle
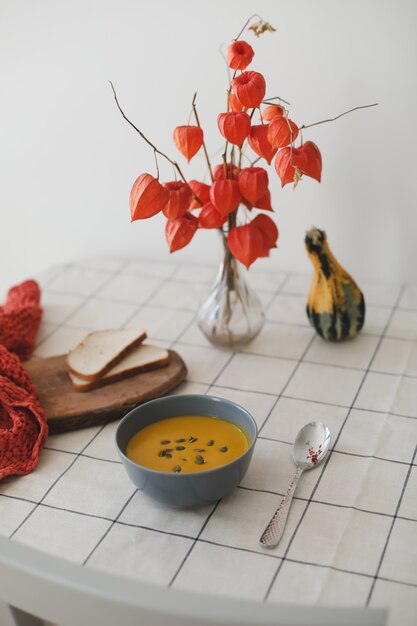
(275, 529)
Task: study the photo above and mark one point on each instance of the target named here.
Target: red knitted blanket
(23, 425)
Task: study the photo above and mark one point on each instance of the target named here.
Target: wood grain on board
(67, 409)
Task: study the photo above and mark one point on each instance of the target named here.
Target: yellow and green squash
(335, 305)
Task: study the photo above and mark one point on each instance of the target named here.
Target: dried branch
(332, 119)
(246, 23)
(268, 100)
(156, 163)
(193, 104)
(155, 149)
(227, 65)
(224, 157)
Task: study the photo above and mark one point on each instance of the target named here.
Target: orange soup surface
(189, 443)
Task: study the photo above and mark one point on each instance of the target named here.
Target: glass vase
(232, 315)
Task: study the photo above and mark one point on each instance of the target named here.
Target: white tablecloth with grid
(351, 536)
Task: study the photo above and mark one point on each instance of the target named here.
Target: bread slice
(101, 350)
(143, 358)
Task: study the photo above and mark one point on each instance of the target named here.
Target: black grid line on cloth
(391, 528)
(109, 528)
(322, 402)
(296, 294)
(130, 498)
(55, 482)
(81, 453)
(181, 565)
(140, 306)
(280, 395)
(218, 502)
(278, 290)
(206, 521)
(255, 391)
(126, 260)
(200, 539)
(332, 449)
(327, 460)
(177, 266)
(184, 309)
(216, 543)
(254, 489)
(229, 360)
(284, 358)
(336, 505)
(44, 288)
(87, 456)
(57, 274)
(112, 275)
(84, 301)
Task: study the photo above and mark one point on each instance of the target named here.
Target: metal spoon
(310, 448)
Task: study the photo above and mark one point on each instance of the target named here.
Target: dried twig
(204, 144)
(332, 119)
(155, 149)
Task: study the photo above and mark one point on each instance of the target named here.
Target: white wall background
(68, 160)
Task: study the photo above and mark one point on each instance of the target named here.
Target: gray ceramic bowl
(194, 488)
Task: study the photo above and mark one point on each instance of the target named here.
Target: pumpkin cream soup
(190, 443)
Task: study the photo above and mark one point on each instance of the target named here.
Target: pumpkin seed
(223, 449)
(192, 439)
(180, 448)
(199, 449)
(179, 440)
(199, 459)
(168, 455)
(165, 451)
(210, 443)
(177, 469)
(165, 442)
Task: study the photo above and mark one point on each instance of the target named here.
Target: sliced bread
(101, 350)
(140, 359)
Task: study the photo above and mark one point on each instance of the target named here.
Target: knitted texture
(20, 318)
(23, 425)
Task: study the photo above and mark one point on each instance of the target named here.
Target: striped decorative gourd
(335, 305)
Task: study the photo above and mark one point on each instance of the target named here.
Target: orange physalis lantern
(282, 132)
(286, 161)
(272, 111)
(210, 217)
(234, 127)
(239, 55)
(265, 202)
(188, 140)
(202, 191)
(253, 183)
(147, 197)
(246, 243)
(225, 195)
(180, 231)
(234, 104)
(249, 88)
(259, 142)
(313, 164)
(180, 196)
(231, 171)
(268, 229)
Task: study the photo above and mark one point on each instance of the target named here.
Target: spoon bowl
(311, 445)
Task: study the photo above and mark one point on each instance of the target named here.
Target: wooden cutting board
(67, 409)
